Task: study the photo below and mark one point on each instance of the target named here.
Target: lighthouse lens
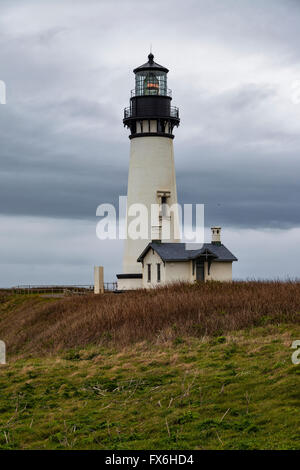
(151, 83)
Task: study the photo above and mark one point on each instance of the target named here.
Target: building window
(149, 272)
(158, 272)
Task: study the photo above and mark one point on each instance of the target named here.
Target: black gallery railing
(130, 113)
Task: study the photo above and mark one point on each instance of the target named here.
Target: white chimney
(216, 235)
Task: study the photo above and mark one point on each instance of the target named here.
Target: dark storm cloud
(63, 149)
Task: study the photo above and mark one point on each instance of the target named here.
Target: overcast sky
(235, 75)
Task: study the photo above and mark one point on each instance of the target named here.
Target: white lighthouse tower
(151, 180)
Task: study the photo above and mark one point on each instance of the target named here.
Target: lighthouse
(151, 120)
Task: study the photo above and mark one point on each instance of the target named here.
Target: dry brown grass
(155, 315)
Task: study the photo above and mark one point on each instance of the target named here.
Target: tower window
(158, 272)
(163, 197)
(164, 211)
(149, 272)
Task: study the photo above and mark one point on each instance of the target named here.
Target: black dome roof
(151, 65)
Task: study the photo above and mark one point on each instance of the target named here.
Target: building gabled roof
(179, 252)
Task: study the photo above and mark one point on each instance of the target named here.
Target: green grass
(238, 391)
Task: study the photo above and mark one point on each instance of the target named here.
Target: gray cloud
(36, 250)
(63, 149)
(51, 251)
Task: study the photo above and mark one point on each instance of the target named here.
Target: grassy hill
(179, 368)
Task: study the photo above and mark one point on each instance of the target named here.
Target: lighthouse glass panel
(151, 83)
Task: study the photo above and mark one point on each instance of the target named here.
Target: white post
(98, 280)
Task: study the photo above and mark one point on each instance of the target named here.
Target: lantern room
(151, 79)
(151, 101)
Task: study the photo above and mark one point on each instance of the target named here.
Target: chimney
(216, 235)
